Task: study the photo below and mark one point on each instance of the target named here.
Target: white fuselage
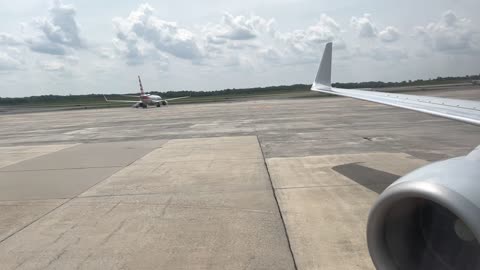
(151, 99)
(145, 99)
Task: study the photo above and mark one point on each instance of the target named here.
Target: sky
(81, 47)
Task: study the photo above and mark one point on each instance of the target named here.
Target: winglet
(105, 98)
(324, 74)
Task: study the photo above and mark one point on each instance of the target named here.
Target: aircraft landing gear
(158, 104)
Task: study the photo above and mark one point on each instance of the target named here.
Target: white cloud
(9, 40)
(52, 65)
(142, 31)
(106, 52)
(44, 46)
(364, 26)
(270, 54)
(387, 53)
(71, 59)
(389, 34)
(304, 45)
(379, 53)
(61, 27)
(309, 40)
(129, 49)
(58, 33)
(450, 34)
(238, 28)
(253, 40)
(236, 40)
(10, 59)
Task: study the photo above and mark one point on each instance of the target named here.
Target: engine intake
(429, 219)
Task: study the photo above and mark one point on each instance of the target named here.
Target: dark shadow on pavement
(375, 180)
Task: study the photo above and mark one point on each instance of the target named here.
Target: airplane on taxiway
(145, 99)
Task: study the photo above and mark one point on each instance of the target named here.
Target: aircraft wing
(123, 101)
(169, 99)
(462, 110)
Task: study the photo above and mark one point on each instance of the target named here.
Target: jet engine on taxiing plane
(430, 218)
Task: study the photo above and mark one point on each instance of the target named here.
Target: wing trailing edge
(462, 110)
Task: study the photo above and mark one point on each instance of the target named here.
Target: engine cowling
(429, 219)
(164, 102)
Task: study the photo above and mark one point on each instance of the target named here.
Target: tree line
(96, 98)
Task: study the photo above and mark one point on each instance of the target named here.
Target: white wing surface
(169, 99)
(122, 101)
(462, 110)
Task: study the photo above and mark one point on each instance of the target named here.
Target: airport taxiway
(265, 184)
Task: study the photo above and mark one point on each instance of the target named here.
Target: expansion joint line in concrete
(278, 205)
(61, 169)
(35, 220)
(64, 203)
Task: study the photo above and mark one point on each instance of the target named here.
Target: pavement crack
(111, 209)
(80, 265)
(367, 138)
(59, 237)
(118, 228)
(56, 258)
(63, 233)
(19, 265)
(33, 221)
(167, 204)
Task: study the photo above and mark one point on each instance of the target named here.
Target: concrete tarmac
(265, 184)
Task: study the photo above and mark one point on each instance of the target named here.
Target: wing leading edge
(169, 99)
(457, 109)
(121, 101)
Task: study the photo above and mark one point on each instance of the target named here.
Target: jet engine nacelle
(429, 219)
(164, 102)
